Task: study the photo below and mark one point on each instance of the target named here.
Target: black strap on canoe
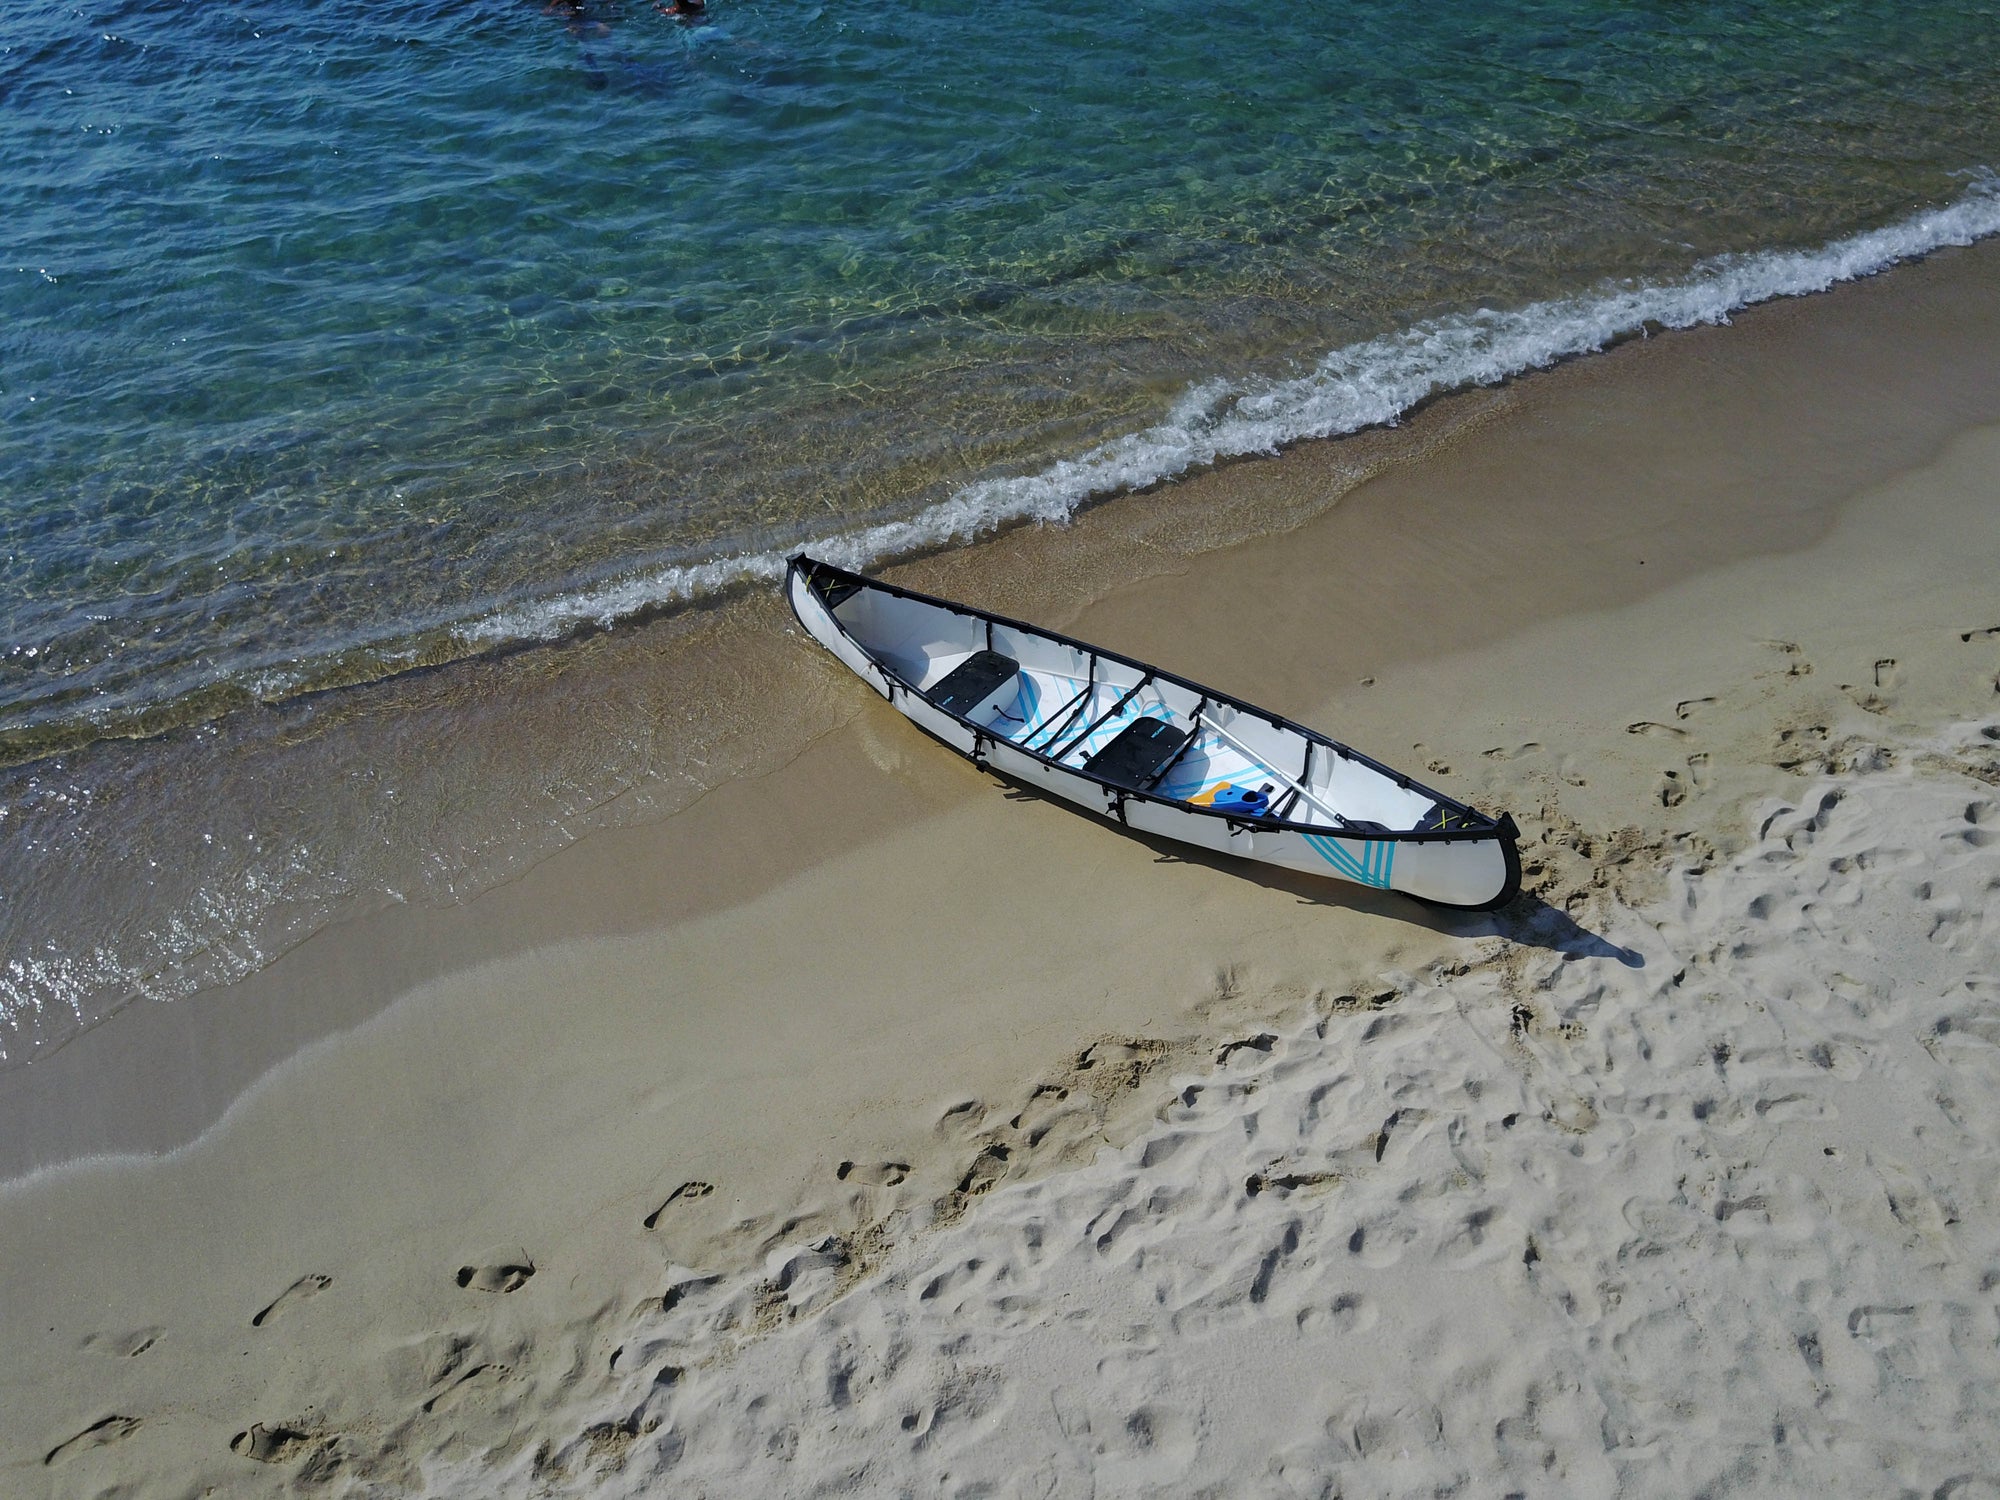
(1069, 711)
(1069, 745)
(1285, 803)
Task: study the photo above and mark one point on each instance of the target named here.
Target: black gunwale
(1501, 828)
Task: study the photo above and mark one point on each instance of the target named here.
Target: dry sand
(867, 1130)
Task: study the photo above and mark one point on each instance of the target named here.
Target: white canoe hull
(1052, 725)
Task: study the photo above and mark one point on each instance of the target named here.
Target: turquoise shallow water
(337, 337)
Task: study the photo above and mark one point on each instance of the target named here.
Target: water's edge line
(1361, 386)
(1366, 385)
(1974, 216)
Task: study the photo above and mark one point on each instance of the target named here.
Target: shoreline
(452, 761)
(1110, 576)
(1220, 417)
(733, 997)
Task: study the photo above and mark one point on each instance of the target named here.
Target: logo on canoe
(1371, 866)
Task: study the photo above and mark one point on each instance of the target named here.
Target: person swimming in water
(684, 10)
(581, 18)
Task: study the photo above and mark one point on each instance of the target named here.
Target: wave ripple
(1368, 384)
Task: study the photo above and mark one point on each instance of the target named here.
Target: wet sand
(551, 1186)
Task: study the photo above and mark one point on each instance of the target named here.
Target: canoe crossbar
(1071, 743)
(1053, 728)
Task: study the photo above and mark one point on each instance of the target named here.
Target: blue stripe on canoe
(1372, 867)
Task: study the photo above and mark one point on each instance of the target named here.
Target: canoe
(1150, 750)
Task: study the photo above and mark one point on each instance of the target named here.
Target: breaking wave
(1369, 384)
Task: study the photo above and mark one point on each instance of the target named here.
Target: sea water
(338, 339)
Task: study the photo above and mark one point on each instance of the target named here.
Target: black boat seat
(1138, 754)
(974, 683)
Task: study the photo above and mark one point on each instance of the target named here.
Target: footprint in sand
(1870, 699)
(272, 1444)
(299, 1291)
(1350, 1312)
(1697, 766)
(474, 1380)
(1045, 1094)
(1796, 664)
(1501, 752)
(97, 1435)
(1380, 1245)
(122, 1345)
(420, 1365)
(1657, 731)
(687, 1192)
(1283, 1184)
(681, 1291)
(1125, 1061)
(499, 1275)
(961, 1121)
(1432, 764)
(1379, 1432)
(1261, 1043)
(873, 1174)
(1685, 709)
(1982, 821)
(1879, 1322)
(987, 1168)
(1802, 750)
(1048, 1105)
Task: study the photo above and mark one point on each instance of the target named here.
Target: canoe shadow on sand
(1527, 920)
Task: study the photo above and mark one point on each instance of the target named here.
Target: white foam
(1369, 384)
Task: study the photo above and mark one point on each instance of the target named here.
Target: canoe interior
(1088, 711)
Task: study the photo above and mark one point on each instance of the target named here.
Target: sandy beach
(867, 1128)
